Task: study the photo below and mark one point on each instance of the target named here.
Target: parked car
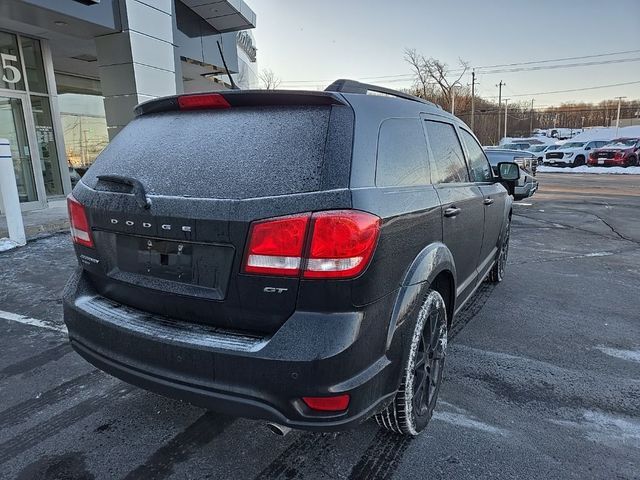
(515, 146)
(621, 152)
(540, 150)
(263, 254)
(572, 154)
(527, 185)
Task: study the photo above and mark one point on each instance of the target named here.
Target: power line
(559, 59)
(404, 76)
(569, 90)
(566, 65)
(547, 67)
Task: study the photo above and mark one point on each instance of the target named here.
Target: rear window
(243, 152)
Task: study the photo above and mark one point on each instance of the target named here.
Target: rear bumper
(559, 162)
(524, 191)
(255, 377)
(606, 162)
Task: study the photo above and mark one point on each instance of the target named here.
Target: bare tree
(422, 79)
(434, 78)
(269, 79)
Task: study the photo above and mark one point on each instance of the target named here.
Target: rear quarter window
(236, 153)
(402, 154)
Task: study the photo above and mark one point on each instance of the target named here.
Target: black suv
(289, 256)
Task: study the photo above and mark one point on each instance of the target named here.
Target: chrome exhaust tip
(279, 430)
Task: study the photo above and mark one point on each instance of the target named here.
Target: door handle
(451, 211)
(488, 201)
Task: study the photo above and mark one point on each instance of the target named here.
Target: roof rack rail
(344, 85)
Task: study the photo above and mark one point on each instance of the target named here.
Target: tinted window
(402, 153)
(479, 168)
(231, 153)
(447, 152)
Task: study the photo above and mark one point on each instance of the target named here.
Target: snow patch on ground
(586, 169)
(632, 355)
(606, 428)
(462, 420)
(6, 244)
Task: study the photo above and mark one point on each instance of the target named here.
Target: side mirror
(508, 171)
(587, 148)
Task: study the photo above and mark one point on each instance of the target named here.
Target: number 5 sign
(13, 71)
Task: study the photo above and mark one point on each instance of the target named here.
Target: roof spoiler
(238, 98)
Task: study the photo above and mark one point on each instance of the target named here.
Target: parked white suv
(572, 154)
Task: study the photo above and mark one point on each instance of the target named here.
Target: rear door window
(402, 154)
(448, 159)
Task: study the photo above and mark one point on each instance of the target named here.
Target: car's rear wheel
(412, 407)
(579, 160)
(496, 274)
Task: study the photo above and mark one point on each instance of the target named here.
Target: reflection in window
(402, 153)
(46, 145)
(84, 127)
(447, 153)
(33, 65)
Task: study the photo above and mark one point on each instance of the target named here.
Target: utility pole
(618, 117)
(506, 100)
(531, 119)
(500, 85)
(473, 97)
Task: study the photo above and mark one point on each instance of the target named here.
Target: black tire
(579, 160)
(496, 275)
(412, 407)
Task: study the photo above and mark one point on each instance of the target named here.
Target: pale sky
(309, 43)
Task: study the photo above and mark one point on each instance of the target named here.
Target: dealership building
(71, 72)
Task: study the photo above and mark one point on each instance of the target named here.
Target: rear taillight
(342, 243)
(339, 244)
(276, 245)
(202, 101)
(80, 230)
(592, 155)
(619, 155)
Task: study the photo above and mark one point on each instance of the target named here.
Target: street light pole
(618, 117)
(473, 98)
(531, 119)
(500, 85)
(506, 100)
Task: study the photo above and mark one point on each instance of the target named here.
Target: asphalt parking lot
(542, 377)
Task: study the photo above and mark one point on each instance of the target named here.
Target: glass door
(16, 125)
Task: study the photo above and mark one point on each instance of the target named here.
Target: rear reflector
(340, 244)
(202, 101)
(80, 230)
(327, 404)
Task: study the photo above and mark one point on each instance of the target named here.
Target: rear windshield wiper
(137, 189)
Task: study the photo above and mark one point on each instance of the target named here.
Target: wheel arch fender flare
(428, 264)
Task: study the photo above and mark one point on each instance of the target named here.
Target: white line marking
(15, 317)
